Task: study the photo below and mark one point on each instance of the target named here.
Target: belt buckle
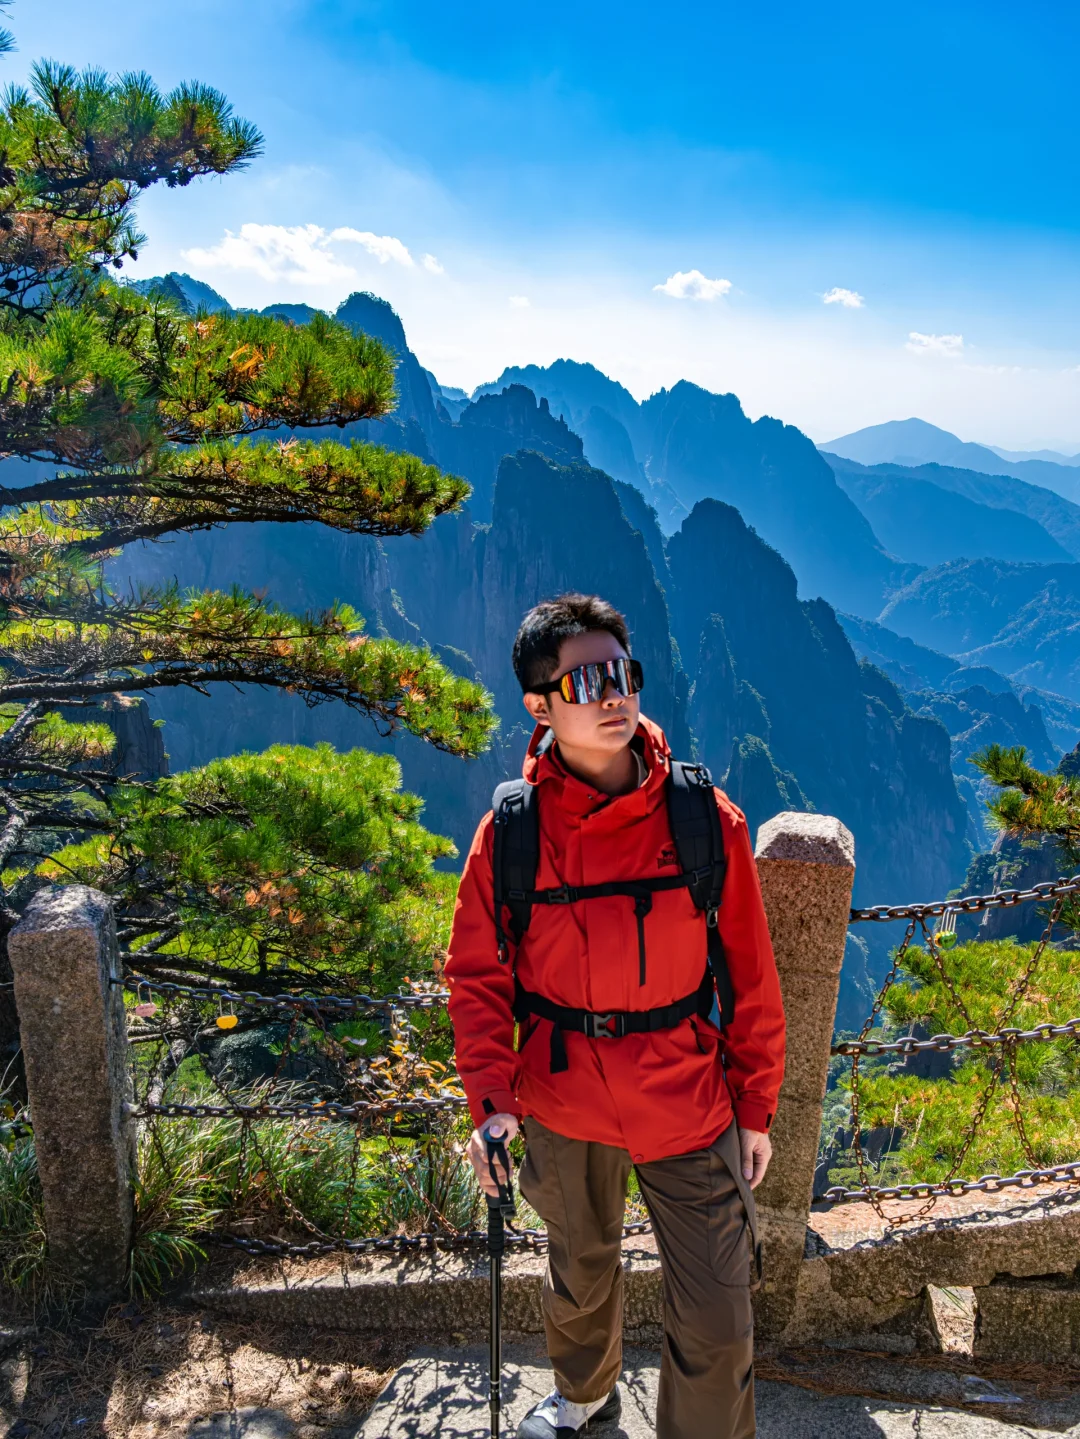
(603, 1026)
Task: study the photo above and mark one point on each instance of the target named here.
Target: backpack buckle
(603, 1026)
(711, 915)
(561, 895)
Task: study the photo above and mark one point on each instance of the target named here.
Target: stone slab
(445, 1393)
(868, 1289)
(1035, 1319)
(858, 1289)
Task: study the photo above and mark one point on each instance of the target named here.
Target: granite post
(71, 1019)
(806, 864)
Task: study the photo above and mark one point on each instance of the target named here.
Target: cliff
(704, 446)
(839, 727)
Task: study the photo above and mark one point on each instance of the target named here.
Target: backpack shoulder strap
(699, 843)
(695, 828)
(515, 857)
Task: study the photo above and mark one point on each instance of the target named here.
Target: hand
(756, 1152)
(499, 1126)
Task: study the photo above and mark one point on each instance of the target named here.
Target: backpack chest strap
(574, 893)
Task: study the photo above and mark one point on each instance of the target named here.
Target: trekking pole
(499, 1211)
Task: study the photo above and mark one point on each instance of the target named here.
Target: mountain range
(825, 633)
(748, 665)
(914, 442)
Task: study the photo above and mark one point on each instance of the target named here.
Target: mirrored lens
(586, 684)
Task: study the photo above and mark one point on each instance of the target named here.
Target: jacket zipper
(642, 906)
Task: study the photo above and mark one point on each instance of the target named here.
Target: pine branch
(1030, 803)
(167, 641)
(110, 383)
(359, 488)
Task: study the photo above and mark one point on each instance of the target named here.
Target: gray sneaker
(558, 1418)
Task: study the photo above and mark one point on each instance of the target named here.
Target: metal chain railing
(387, 1096)
(191, 1019)
(944, 1043)
(987, 1184)
(968, 904)
(330, 1004)
(1001, 1043)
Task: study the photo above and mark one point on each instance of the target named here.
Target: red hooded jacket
(669, 1092)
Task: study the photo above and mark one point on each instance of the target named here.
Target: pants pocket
(730, 1243)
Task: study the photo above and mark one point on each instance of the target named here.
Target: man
(619, 1074)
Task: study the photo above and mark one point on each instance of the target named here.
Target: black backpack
(699, 844)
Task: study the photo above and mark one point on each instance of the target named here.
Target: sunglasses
(586, 684)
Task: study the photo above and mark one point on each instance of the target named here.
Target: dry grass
(147, 1371)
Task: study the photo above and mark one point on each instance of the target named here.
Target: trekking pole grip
(503, 1203)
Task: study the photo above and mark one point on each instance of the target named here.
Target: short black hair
(542, 631)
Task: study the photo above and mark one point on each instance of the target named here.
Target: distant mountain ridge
(1059, 517)
(927, 523)
(915, 442)
(686, 444)
(742, 669)
(1020, 619)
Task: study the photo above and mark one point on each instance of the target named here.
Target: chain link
(316, 1110)
(319, 1003)
(988, 1184)
(392, 1243)
(969, 904)
(973, 1038)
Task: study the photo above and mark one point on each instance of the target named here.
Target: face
(607, 725)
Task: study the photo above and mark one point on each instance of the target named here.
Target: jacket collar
(543, 766)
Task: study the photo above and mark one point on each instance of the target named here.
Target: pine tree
(1031, 804)
(147, 422)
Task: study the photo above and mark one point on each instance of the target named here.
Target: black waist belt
(612, 1025)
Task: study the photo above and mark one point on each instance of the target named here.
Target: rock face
(530, 552)
(703, 446)
(739, 670)
(691, 444)
(140, 749)
(573, 390)
(496, 425)
(839, 727)
(1019, 619)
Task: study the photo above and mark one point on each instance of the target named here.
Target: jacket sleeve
(481, 991)
(754, 1040)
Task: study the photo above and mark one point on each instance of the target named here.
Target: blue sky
(666, 192)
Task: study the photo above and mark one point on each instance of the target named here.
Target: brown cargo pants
(702, 1214)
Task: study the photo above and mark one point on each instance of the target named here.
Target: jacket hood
(542, 765)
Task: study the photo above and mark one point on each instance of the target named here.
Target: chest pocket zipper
(642, 906)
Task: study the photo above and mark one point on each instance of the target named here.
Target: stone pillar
(806, 864)
(71, 1019)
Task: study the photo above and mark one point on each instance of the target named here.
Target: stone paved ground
(155, 1372)
(444, 1393)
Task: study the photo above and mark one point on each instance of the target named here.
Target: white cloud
(383, 247)
(301, 254)
(949, 346)
(850, 299)
(520, 302)
(693, 285)
(296, 254)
